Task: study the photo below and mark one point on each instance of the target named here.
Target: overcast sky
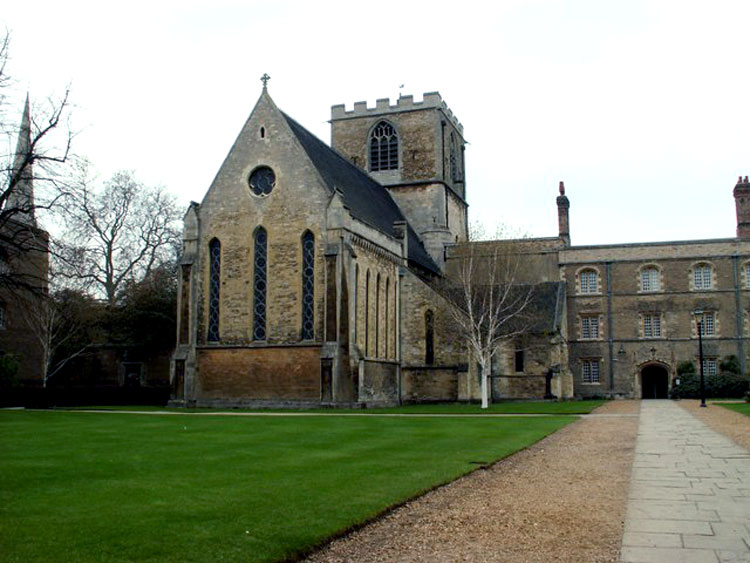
(641, 107)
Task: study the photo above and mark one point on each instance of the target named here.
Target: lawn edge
(301, 554)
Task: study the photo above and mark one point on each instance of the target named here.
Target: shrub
(686, 367)
(8, 371)
(731, 364)
(725, 384)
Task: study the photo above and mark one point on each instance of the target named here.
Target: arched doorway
(654, 382)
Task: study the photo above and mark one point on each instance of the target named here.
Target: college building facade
(312, 275)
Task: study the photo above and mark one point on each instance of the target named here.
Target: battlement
(404, 103)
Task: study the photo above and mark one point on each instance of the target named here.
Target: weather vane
(264, 79)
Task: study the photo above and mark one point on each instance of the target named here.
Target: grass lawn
(77, 486)
(508, 407)
(743, 408)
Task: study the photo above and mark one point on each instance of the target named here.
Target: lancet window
(260, 284)
(308, 285)
(214, 284)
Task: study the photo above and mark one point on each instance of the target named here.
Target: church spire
(21, 196)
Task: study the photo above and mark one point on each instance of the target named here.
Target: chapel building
(313, 275)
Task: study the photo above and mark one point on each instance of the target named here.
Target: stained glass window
(214, 257)
(308, 285)
(383, 148)
(260, 284)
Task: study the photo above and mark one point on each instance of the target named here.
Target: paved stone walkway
(689, 496)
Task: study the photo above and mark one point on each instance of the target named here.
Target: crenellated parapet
(383, 106)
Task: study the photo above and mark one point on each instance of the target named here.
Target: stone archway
(654, 382)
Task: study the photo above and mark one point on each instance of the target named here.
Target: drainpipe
(610, 329)
(738, 314)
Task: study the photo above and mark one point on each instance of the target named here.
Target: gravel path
(732, 424)
(562, 499)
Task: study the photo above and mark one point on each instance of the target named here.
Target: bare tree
(488, 300)
(60, 328)
(33, 168)
(116, 234)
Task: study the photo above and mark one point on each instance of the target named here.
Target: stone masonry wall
(290, 373)
(372, 317)
(622, 307)
(232, 213)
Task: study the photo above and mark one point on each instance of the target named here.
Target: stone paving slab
(690, 492)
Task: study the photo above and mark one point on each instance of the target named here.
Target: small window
(650, 280)
(652, 325)
(710, 366)
(747, 275)
(383, 147)
(589, 327)
(589, 281)
(591, 370)
(702, 276)
(519, 361)
(707, 324)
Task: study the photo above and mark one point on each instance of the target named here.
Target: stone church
(311, 275)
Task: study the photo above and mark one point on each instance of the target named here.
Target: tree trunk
(485, 384)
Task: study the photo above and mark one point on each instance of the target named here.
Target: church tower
(416, 150)
(21, 189)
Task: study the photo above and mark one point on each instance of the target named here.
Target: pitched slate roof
(367, 200)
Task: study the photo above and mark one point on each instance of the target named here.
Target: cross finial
(264, 79)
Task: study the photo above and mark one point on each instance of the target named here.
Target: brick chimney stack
(742, 203)
(563, 221)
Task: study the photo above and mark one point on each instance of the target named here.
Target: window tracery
(308, 285)
(383, 147)
(214, 257)
(260, 284)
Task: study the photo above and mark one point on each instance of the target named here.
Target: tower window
(455, 176)
(308, 285)
(260, 284)
(383, 148)
(214, 257)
